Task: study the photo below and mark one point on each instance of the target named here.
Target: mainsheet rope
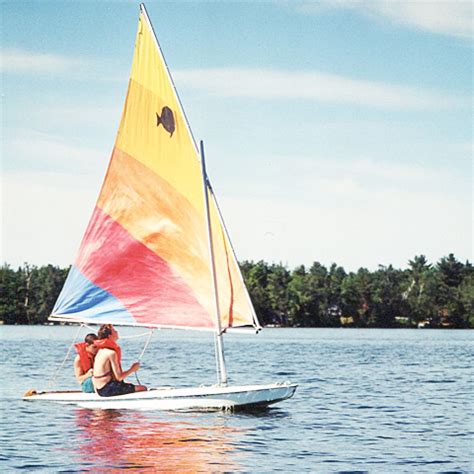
(143, 352)
(146, 343)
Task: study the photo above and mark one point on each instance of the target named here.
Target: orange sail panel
(145, 258)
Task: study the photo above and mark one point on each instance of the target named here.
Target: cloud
(383, 227)
(361, 213)
(315, 86)
(357, 213)
(18, 61)
(443, 17)
(310, 178)
(29, 149)
(44, 216)
(21, 61)
(452, 18)
(79, 116)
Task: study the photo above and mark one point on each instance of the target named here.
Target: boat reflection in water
(112, 439)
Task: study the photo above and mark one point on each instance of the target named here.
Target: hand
(135, 366)
(90, 372)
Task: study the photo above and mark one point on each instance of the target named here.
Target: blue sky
(335, 131)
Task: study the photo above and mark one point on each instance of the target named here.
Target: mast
(221, 370)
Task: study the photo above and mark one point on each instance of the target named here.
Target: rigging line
(143, 352)
(221, 370)
(216, 356)
(146, 344)
(133, 336)
(53, 378)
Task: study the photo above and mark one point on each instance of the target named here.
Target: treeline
(28, 294)
(423, 295)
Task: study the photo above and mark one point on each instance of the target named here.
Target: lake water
(368, 400)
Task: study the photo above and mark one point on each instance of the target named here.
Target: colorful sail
(144, 259)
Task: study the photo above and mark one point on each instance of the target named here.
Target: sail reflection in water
(116, 439)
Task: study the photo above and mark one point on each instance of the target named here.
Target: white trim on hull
(202, 398)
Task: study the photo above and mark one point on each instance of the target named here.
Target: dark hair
(104, 331)
(90, 338)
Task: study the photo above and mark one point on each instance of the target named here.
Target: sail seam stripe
(131, 157)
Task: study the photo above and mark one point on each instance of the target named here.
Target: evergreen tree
(450, 276)
(387, 297)
(256, 279)
(420, 286)
(333, 311)
(278, 280)
(11, 306)
(466, 296)
(304, 311)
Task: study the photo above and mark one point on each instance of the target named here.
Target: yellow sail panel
(153, 129)
(234, 303)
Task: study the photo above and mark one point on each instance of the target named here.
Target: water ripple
(369, 400)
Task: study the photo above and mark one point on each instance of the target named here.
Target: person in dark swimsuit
(108, 376)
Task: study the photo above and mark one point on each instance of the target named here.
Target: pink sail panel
(142, 281)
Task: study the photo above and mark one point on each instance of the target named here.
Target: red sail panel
(142, 281)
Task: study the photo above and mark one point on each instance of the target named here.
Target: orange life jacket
(86, 359)
(109, 344)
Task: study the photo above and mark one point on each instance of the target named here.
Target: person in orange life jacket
(84, 361)
(108, 376)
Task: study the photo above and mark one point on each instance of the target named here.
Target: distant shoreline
(2, 323)
(424, 295)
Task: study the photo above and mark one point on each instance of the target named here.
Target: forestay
(144, 259)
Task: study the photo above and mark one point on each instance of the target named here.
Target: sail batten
(144, 259)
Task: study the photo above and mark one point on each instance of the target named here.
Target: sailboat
(156, 252)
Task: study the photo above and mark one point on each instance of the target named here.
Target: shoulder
(106, 352)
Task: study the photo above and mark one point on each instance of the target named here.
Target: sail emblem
(166, 119)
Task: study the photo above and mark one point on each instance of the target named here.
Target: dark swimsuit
(114, 387)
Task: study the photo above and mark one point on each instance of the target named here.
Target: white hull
(207, 398)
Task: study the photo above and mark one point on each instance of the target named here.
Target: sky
(337, 132)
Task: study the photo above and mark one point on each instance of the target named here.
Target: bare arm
(117, 370)
(79, 373)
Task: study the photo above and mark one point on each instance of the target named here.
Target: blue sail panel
(82, 300)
